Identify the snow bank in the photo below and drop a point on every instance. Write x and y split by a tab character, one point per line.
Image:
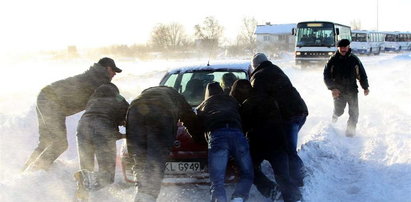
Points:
375	165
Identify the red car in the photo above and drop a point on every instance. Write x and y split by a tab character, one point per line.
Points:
188	160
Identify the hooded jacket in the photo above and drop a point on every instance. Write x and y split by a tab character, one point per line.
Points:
341	72
108	104
73	93
218	109
270	82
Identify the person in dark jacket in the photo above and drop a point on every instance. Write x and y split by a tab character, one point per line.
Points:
220	116
151	131
241	90
194	92
61	99
281	112
227	81
98	132
341	73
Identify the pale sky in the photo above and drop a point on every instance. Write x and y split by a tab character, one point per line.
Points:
56	24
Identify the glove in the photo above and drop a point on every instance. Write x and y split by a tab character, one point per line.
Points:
335	93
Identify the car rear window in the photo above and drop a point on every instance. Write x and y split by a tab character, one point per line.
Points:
192	84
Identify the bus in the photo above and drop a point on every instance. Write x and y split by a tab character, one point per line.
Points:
367	42
316	41
397	41
404	41
391	42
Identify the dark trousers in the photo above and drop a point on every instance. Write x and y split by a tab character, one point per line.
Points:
339	105
279	163
150	135
96	140
296	165
52	134
268	143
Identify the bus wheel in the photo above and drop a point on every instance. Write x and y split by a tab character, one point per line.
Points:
378	52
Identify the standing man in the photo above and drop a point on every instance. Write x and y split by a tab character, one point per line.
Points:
151	131
279	124
340	75
61	99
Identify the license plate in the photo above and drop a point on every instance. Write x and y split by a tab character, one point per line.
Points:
182	167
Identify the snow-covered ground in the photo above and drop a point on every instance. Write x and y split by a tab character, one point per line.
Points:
373	166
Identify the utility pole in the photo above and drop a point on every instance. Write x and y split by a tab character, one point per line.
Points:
377	15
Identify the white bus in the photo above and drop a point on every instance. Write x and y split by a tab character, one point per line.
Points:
391	42
367	42
404	40
316	40
397	41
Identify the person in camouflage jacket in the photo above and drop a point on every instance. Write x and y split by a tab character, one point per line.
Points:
61	99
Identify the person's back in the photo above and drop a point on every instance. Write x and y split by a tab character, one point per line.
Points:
227	82
164	97
108	104
279	113
241	90
98	131
73	93
151	131
194	91
269	80
220	115
219	109
61	99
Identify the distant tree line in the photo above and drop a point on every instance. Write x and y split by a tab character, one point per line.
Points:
172	41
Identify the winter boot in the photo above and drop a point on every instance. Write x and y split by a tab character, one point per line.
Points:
81	191
350	131
334	119
275	194
143	197
91	180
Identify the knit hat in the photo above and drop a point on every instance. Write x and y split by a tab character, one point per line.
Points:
108	62
343	43
258	58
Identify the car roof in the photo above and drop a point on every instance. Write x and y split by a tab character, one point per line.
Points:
219	66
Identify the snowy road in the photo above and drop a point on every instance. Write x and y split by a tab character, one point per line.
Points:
373	166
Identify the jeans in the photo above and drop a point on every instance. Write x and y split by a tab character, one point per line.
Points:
296	165
224	142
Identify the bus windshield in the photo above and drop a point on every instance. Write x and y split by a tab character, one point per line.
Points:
315	34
